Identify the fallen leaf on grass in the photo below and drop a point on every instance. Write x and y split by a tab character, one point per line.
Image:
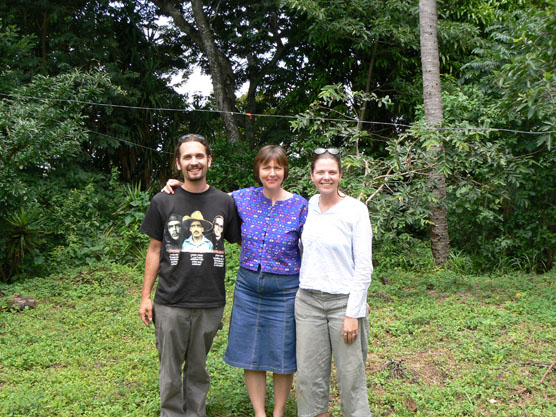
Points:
410	404
520	391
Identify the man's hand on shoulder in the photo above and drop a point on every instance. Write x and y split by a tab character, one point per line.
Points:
170	185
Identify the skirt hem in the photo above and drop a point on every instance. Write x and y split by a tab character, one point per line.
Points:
251	367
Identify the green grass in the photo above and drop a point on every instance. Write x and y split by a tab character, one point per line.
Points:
463	345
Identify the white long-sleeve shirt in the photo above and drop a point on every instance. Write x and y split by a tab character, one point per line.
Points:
337	252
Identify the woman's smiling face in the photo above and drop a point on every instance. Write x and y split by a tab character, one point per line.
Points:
326	175
271	175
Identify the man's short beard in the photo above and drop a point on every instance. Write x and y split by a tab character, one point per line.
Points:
199	178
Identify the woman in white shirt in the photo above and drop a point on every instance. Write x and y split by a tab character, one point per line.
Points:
331	304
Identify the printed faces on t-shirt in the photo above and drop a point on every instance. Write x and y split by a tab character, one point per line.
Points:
194	234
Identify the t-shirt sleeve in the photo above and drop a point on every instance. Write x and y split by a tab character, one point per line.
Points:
153	222
232	232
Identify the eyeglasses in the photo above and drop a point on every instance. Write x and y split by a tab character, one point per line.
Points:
331	151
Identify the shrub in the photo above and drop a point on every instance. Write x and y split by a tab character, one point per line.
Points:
24	235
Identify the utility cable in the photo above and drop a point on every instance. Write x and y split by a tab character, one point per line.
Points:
246	114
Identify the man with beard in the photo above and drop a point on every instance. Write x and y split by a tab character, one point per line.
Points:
190	295
173	231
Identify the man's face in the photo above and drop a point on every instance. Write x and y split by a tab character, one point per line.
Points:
193	161
174	228
218	227
196	229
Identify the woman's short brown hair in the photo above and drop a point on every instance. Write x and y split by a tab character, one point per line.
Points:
270	153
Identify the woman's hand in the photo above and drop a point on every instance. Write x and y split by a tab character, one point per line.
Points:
350	330
170	185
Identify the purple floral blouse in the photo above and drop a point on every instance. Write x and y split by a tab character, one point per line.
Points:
270	234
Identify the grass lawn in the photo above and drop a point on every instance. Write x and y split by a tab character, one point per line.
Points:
440	344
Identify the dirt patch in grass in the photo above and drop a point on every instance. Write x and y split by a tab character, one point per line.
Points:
58	307
430	367
427	368
519	400
374	363
381	296
438	295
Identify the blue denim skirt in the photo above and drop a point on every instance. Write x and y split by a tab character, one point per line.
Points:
262	326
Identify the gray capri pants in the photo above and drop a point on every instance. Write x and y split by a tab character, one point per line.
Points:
319	318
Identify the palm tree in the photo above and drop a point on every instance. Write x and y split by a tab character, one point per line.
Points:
432	94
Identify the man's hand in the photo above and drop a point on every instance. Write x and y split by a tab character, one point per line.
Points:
152	262
146	311
170	185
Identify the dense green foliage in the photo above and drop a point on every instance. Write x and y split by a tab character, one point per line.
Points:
86	137
441	344
513	78
123	42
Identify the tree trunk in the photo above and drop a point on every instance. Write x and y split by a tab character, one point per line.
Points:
223	80
44	31
432	94
249	125
255	75
361	118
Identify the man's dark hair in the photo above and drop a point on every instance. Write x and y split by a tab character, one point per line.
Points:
191	137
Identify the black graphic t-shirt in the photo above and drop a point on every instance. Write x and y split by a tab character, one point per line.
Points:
192	260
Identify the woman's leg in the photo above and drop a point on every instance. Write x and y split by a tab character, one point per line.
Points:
282	388
314	355
350	366
256	388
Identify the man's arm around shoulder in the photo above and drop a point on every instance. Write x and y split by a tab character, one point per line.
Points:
152	263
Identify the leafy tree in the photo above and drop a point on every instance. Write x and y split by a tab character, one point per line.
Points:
38	138
122	40
394	186
193	21
376	43
515	70
14	62
464	27
518	66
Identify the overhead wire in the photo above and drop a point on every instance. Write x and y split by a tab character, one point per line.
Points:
247	114
137	145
